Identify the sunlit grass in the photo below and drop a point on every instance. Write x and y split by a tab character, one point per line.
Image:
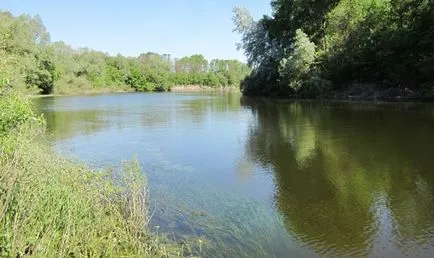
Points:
54	207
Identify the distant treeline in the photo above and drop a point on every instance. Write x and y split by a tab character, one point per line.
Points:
312	47
30	61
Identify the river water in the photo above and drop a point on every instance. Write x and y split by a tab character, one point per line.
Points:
266	178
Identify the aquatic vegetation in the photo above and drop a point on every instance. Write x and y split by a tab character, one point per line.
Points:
54	207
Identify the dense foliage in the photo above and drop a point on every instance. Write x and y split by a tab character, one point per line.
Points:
28	60
311	47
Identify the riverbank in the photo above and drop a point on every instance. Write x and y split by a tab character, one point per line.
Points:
370	92
96	91
377	92
76	92
199	88
54	207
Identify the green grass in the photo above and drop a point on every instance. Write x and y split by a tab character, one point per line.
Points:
81	86
53	207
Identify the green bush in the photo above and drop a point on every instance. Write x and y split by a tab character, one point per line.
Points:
14	112
428	89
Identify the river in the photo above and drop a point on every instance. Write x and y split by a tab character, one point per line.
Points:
266	178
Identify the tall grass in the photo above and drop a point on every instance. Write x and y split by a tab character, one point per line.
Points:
54	207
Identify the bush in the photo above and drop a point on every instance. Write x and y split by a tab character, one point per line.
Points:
71	84
428	89
13	112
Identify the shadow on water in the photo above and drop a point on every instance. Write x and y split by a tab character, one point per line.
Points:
351	179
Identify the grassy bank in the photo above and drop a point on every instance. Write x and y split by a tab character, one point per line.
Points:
91	91
54	207
200	88
95	91
78	93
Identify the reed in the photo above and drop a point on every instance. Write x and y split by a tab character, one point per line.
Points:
54	207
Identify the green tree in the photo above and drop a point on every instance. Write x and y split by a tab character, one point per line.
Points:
29	61
384	42
43	74
299	62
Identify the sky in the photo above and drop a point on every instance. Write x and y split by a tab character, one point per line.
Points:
131	27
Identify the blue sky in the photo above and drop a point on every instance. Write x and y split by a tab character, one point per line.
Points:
131	27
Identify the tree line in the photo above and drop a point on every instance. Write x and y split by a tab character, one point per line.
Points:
30	61
313	47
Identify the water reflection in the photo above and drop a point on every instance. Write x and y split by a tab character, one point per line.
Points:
349	180
65	124
68	117
261	178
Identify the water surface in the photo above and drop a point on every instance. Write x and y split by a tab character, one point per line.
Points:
266	178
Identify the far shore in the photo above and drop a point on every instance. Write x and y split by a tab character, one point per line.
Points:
352	93
180	88
198	88
81	93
